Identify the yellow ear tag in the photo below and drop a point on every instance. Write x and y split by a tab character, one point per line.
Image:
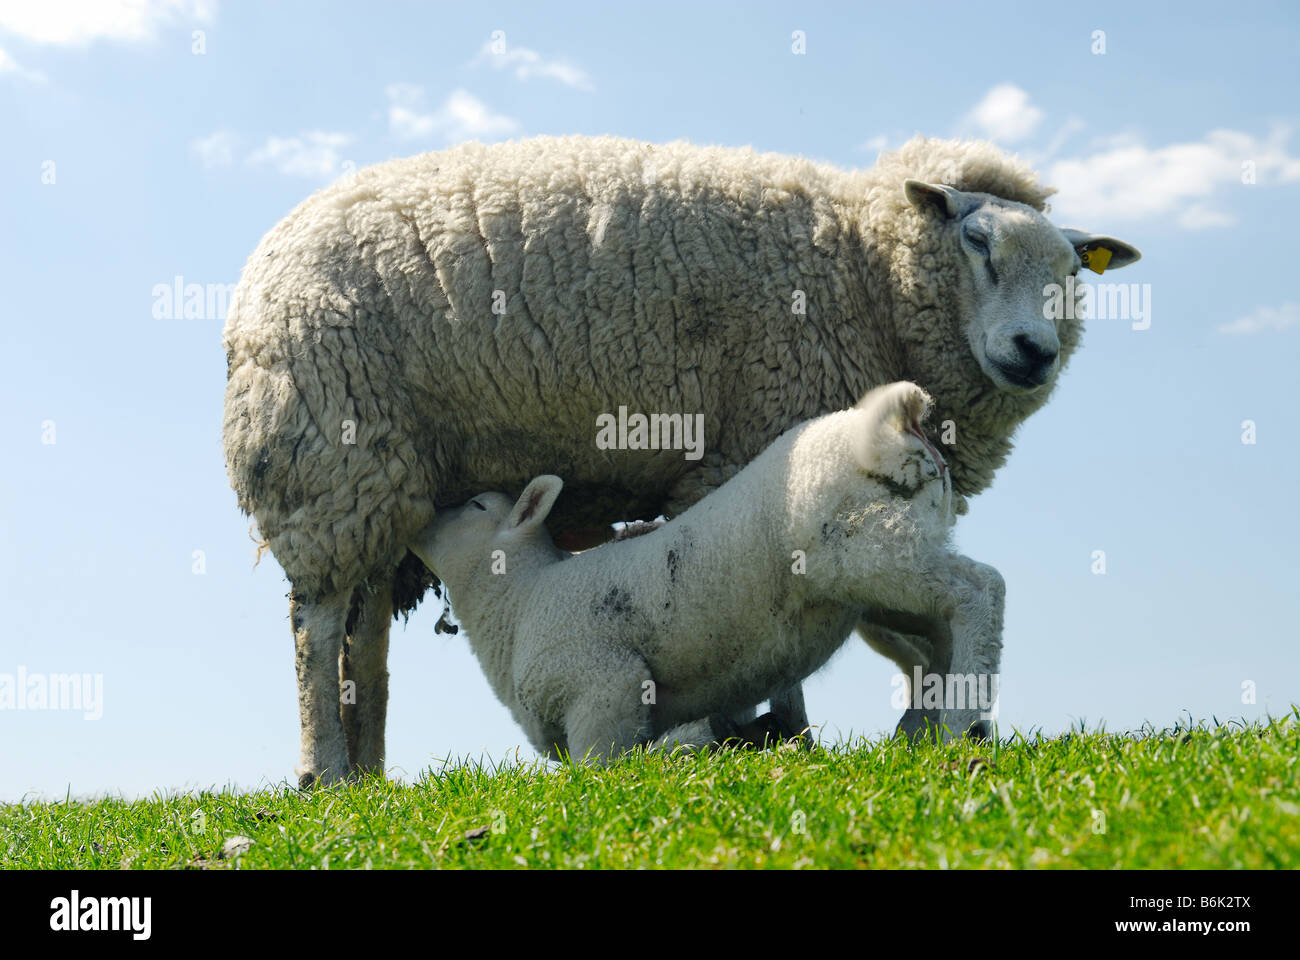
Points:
1096	260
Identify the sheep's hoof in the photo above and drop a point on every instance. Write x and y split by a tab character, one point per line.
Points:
311	780
724	731
767	731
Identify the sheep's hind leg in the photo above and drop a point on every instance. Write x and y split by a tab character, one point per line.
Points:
318	629
363	674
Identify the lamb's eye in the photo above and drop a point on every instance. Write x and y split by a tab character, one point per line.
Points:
477	504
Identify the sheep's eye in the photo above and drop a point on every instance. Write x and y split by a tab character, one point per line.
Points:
977	240
477	504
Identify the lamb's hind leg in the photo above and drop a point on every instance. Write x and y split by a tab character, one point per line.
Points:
318	628
363	672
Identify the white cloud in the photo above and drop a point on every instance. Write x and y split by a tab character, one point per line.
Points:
1200	216
314	154
9	66
216	150
528	64
79	22
1126	180
462	116
1265	318
1005	114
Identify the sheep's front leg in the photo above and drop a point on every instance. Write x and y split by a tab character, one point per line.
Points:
907	650
318	629
790	716
363	672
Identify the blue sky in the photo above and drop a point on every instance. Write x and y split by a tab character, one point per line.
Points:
135	151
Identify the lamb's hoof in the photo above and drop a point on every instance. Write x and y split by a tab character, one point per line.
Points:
307	781
918	726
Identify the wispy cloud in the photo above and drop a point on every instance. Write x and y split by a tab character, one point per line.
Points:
314	155
79	22
874	144
461	116
1005	115
528	64
11	67
216	150
1126	180
1265	319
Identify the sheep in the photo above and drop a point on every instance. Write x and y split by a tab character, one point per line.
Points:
748	591
456	321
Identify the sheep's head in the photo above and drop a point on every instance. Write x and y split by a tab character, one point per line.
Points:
491	528
1014	258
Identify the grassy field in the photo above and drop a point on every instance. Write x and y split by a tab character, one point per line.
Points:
1203	796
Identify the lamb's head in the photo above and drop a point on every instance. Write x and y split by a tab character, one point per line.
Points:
1015	265
466	541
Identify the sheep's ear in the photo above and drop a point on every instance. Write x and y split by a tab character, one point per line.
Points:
1101	253
535	502
945	200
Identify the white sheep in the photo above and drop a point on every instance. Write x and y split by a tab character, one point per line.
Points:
457	321
743	595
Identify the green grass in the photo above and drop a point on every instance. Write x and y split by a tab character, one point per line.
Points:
1199	796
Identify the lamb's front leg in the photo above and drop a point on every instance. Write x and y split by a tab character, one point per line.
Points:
955	605
611	715
962	673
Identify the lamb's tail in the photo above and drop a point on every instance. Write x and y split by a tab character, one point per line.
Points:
896	405
894	416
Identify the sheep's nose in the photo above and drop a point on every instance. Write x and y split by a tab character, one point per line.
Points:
1034	358
1033	354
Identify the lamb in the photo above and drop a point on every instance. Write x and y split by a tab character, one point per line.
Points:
453	322
749	590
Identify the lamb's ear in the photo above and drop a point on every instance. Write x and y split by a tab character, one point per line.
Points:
1101	253
945	200
535	502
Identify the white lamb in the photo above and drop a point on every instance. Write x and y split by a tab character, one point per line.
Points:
736	600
